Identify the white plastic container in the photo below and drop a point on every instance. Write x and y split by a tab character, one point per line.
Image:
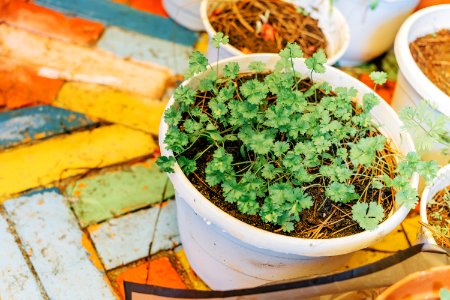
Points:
412	84
185	12
332	23
441	181
228	253
372	32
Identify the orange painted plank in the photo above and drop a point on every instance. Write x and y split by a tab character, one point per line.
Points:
151	6
158	272
21	85
44	21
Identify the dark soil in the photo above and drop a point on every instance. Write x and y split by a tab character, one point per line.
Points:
239	20
438	212
326	219
432	55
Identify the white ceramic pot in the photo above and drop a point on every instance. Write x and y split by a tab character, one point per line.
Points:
441	181
372	32
228	253
185	12
412	84
332	23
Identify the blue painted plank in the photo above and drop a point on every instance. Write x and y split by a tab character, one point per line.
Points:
116	14
143	47
38	122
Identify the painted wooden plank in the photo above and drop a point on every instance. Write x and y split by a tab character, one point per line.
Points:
142	47
16	279
125	239
51	23
49	230
115	14
34	165
150	6
114	193
195	281
56	60
393	242
33	123
21	85
159	272
98	101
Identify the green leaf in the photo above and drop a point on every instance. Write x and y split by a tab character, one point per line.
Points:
197	63
176	140
257	66
172	115
219	169
219	38
363	152
254	91
336	172
407	196
187	165
218	109
231	70
292	50
368	216
316	61
374	4
378	77
370	101
184	95
191	126
166	163
226	93
341	192
242	112
208	83
279	148
260	142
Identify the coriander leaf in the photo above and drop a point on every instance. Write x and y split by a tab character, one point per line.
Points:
191	126
231	70
219	38
316	61
407	196
341	192
166	163
197	63
184	95
257	66
172	116
368	216
219	169
254	91
292	50
187	165
378	78
218	109
363	152
370	101
176	140
279	148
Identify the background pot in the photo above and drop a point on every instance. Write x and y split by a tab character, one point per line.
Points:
420	285
185	12
412	84
372	32
227	253
332	23
441	181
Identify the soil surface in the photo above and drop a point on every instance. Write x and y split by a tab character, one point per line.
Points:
432	55
438	212
265	26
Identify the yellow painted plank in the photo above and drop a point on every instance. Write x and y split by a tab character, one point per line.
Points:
196	282
112	105
57	59
34	165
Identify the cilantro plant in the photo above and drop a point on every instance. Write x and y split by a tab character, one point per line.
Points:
278	146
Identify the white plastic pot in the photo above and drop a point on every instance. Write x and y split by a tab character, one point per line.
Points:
372	32
412	84
441	181
332	23
228	253
185	12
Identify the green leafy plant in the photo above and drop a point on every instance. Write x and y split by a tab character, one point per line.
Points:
281	147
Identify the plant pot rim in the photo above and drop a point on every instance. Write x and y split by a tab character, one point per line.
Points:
331	60
257	236
409	68
427	194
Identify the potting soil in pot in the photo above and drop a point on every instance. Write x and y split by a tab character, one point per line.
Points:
432	55
265	26
438	212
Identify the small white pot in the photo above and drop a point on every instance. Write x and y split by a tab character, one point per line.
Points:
185	12
372	32
412	84
441	181
332	23
228	253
